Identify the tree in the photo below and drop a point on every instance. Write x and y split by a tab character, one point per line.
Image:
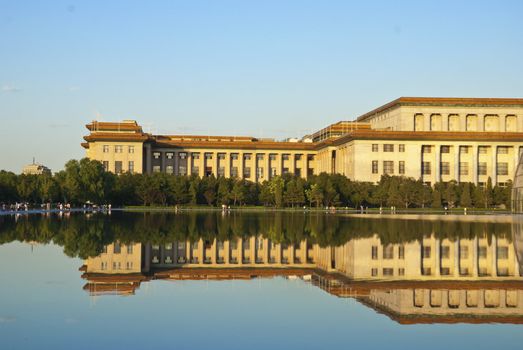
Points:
238	192
465	198
314	195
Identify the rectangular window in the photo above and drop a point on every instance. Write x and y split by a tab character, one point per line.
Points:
156	155
445	271
426	252
483	149
502	150
401	167
374	166
104	265
118	167
445	252
234	171
482	168
464	149
374	252
463	168
131	166
247	156
401	252
169	169
374	147
502	169
259	172
388	252
208	156
234	156
169	155
401	271
129	249
117	248
105	148
426	149
388	271
445	168
129	265
221	171
388	167
297	156
425	168
445	149
401	148
503	253
388	147
285	156
463	252
195	170
247	172
105	164
118	149
482	253
131	149
156	169
374	272
196	156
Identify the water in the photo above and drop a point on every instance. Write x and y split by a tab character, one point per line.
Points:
259	280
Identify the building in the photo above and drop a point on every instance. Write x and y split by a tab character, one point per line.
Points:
35	169
433	139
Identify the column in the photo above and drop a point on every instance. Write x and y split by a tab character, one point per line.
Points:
475	164
267	166
189	163
494	164
162	162
463	122
426	122
475	268
148	159
215	162
456	162
227	164
240	165
437	171
516	160
445	121
519	122
502	123
437	265
201	168
176	163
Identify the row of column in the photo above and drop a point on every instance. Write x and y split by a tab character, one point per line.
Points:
503	125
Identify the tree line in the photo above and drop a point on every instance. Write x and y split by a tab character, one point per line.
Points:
85	181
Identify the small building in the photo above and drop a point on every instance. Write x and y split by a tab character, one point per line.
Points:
35	169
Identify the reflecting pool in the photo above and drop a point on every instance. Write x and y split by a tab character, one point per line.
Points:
195	280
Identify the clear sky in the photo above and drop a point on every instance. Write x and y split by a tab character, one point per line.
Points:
262	68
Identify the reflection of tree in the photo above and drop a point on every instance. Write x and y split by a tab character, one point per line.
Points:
85	236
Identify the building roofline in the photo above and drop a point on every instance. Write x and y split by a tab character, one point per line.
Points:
443	101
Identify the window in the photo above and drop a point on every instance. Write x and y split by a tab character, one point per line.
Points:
104	249
196	156
259	172
234	156
169	169
401	271
426	271
463	252
129	265
388	252
374	252
208	156
401	167
401	148
156	155
117	248
310	157
374	147
483	149
234	171
195	170
247	172
297	156
482	253
502	253
129	249
425	168
388	271
169	155
105	164
156	169
445	149
118	149
445	252
247	156
259	157
426	252
482	168
103	265
374	272
401	252
463	168
284	156
464	149
426	149
221	171
445	168
118	167
388	147
285	171
445	271
388	167
502	169
374	166
131	149
502	184
117	265
105	148
182	155
221	156
502	150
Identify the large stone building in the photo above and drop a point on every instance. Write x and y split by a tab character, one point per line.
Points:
435	139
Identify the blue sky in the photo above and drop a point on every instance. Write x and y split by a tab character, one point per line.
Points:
261	68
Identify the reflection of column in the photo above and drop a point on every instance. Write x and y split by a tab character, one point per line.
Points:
201	251
252	249
456	258
147	262
278	253
292	252
188	252
175	252
227	252
475	268
266	257
437	246
303	251
239	250
494	256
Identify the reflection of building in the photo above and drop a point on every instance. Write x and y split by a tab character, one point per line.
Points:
435	139
469	280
